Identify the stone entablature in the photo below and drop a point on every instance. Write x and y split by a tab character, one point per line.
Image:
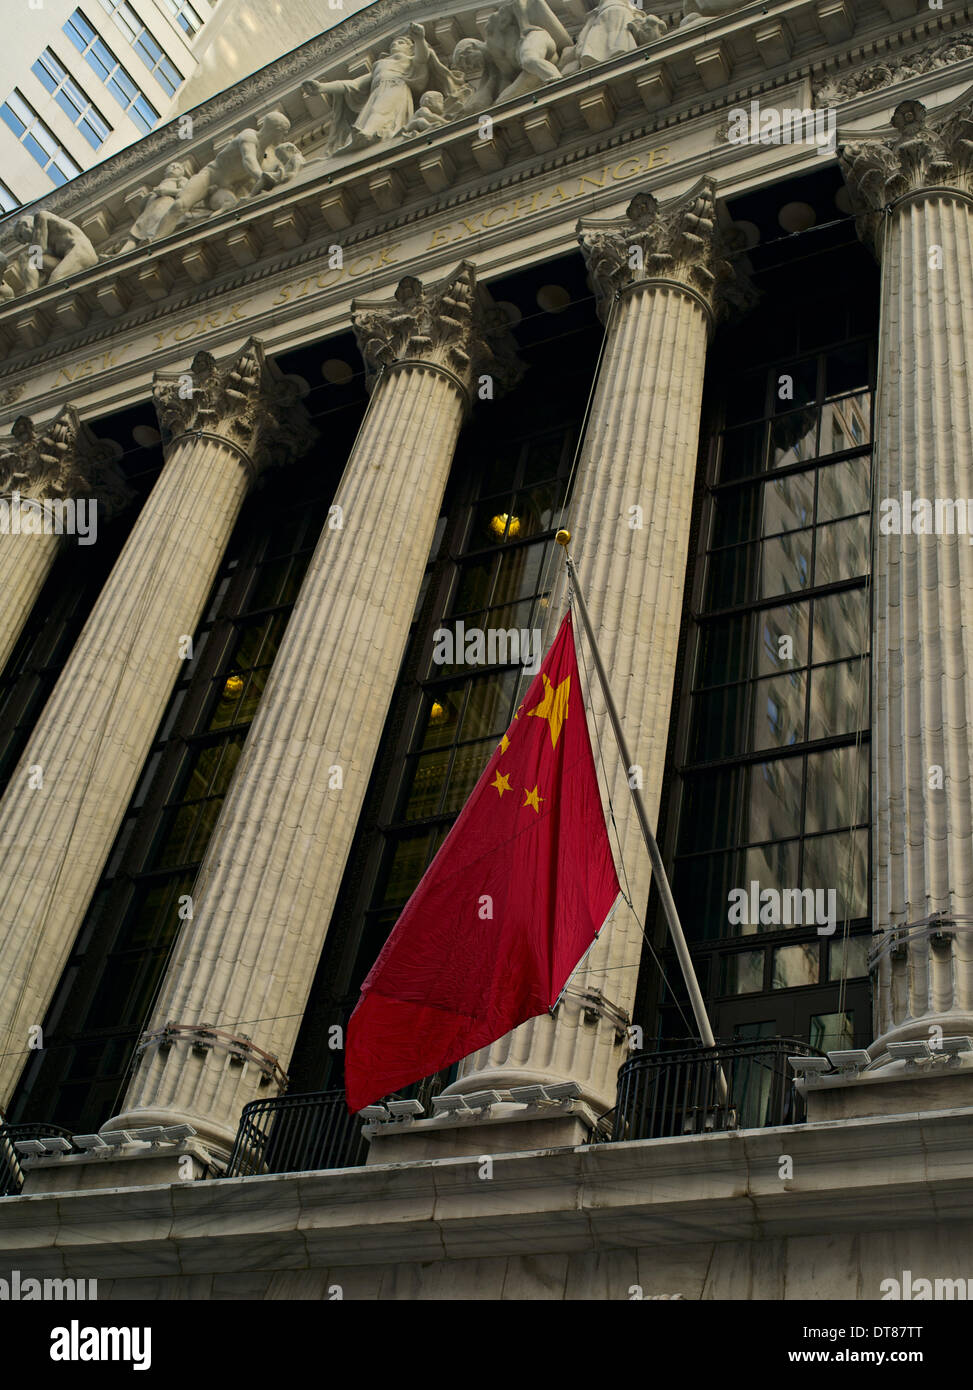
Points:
606	107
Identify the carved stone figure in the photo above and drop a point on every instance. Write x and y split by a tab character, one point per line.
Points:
481	80
64	249
523	39
699	11
236	171
155	203
613	28
281	164
6	291
430	114
384	99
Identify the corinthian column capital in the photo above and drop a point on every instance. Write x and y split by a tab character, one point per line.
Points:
452	325
247	403
679	242
63	459
914	154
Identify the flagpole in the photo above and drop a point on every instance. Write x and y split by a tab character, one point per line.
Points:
563	538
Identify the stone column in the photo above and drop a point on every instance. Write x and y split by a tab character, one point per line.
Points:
231	1002
662	279
67	797
912	186
44	476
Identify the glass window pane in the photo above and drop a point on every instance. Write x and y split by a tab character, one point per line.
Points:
742	972
409	859
440	718
701	888
840	625
793	437
488	709
12	119
723	652
770	866
473	591
846	369
782	638
746	398
777	718
801	389
465	773
718	723
743	452
839	862
837	789
427	785
839	699
520	572
731	576
841	550
843	488
832	1032
846	424
848	957
793	966
785	564
774	803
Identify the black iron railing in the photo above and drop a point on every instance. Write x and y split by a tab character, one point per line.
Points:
297	1134
661	1094
11	1173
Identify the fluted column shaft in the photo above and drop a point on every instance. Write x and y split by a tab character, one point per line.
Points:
265	893
25	563
922	656
68	795
639	452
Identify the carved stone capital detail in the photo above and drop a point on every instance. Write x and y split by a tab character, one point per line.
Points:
453	324
248	402
915	152
63	460
679	241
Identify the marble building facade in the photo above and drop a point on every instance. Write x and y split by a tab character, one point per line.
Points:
436	258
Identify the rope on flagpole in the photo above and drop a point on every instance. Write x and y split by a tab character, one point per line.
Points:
627	893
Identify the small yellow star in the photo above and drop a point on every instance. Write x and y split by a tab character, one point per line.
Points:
532	799
504	744
502	783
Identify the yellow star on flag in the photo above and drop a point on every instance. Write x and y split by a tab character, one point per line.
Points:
532	799
554	706
502	783
504	744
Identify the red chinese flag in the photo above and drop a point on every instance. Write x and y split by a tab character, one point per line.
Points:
517	893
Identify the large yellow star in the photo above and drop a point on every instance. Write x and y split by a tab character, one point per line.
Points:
532	799
502	783
554	706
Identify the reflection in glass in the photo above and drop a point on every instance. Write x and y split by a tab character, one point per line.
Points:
793	437
774	626
848	958
785	564
845	424
839	862
843	489
832	1032
777	718
840	625
742	972
837	789
841	551
793	966
839	698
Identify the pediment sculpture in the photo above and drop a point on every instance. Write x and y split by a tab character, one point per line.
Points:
699	11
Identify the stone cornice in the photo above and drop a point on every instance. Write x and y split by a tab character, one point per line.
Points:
63	460
394	187
876	1174
247	402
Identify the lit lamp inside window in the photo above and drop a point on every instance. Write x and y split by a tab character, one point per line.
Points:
437	715
499	525
233	688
